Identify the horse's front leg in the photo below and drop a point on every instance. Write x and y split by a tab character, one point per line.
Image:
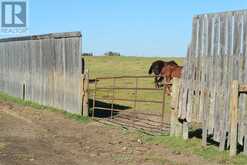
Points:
161	78
156	82
167	85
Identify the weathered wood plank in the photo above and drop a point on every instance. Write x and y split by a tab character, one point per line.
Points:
234	117
205	118
174	105
41	37
43	65
85	93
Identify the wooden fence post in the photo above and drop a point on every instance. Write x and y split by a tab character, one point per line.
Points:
245	145
234	117
185	130
173	123
174	130
85	96
205	116
179	129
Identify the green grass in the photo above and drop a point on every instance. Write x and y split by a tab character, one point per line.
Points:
77	118
121	66
192	146
7	98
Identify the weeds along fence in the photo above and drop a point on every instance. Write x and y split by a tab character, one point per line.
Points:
45	69
217	56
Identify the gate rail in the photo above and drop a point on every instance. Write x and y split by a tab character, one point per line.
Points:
134	114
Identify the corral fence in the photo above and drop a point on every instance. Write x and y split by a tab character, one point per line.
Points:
127	101
217	56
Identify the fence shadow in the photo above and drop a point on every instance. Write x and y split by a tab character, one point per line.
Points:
197	133
105	113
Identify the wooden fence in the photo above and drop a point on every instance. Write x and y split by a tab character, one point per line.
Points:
216	56
85	91
45	69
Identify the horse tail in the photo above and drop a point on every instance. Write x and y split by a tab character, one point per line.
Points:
150	70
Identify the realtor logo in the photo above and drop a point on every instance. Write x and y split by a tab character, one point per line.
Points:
14	16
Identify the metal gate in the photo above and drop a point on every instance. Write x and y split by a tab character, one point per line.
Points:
131	101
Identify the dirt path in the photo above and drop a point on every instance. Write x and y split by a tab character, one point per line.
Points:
33	137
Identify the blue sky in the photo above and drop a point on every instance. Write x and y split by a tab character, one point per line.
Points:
131	27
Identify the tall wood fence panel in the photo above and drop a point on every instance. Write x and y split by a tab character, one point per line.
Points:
45	69
216	56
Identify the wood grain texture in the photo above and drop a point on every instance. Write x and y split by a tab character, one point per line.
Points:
85	86
176	127
217	57
48	65
234	117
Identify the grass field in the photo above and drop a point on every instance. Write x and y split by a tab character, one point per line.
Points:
121	66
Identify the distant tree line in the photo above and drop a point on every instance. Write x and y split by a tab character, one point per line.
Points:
112	54
87	54
105	54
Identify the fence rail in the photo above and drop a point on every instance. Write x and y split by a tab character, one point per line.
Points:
131	117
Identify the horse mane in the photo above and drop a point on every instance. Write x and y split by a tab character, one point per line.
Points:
150	70
157	64
171	63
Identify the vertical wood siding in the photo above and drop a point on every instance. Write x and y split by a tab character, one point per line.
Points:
216	56
45	69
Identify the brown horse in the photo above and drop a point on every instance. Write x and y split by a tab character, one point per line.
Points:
157	67
169	73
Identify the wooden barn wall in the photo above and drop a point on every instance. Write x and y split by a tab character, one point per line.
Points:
216	56
44	69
